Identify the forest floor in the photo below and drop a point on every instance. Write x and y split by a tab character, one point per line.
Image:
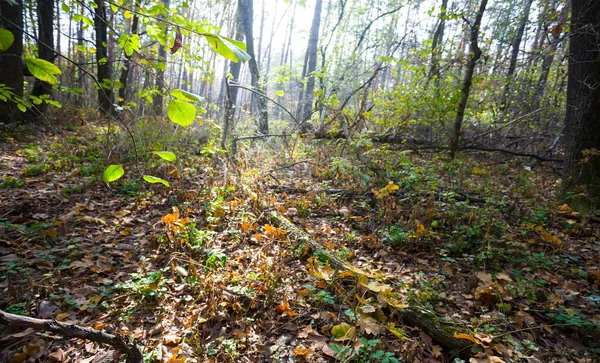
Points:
207	271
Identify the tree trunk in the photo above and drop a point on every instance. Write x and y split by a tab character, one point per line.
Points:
438	39
475	53
105	93
581	180
45	43
514	56
158	100
306	102
246	16
11	67
556	32
124	93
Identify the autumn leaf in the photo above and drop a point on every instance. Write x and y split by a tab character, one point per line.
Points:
177	44
343	331
369	325
322	272
301	350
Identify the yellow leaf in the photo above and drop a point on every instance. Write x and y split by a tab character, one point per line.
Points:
392	299
256	237
302	350
322	272
466	336
372	285
62	317
269	230
343	332
127	14
397	332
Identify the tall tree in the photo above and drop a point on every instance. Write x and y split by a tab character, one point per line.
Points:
246	16
105	93
549	53
306	98
124	93
438	40
582	120
45	44
11	68
158	100
516	47
474	55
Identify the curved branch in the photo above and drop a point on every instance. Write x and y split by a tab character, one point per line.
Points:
134	355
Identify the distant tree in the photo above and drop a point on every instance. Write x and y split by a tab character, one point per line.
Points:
124	93
305	103
105	93
246	16
581	181
474	55
158	100
11	67
45	45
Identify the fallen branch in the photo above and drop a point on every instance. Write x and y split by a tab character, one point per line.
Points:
516	153
440	330
131	350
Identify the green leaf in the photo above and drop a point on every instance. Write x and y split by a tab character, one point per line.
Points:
65	8
185	95
231	49
165	155
154	180
42	70
6	39
129	43
112	173
182	113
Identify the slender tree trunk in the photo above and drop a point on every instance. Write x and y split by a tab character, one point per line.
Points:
105	93
581	181
548	59
306	103
11	67
516	47
124	91
235	67
45	44
158	100
246	15
475	54
438	40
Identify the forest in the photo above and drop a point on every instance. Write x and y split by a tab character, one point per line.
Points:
300	181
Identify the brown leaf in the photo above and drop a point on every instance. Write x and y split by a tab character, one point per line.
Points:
369	325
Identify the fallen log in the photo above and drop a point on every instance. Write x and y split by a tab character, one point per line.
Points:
441	330
131	350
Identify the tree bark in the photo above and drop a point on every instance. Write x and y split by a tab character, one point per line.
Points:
11	68
124	93
45	43
134	355
158	99
306	102
475	54
246	15
105	93
581	181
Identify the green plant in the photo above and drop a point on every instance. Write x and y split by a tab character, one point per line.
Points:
152	285
35	170
215	259
395	236
569	319
11	183
363	352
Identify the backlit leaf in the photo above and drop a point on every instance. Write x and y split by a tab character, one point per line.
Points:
6	39
154	180
165	155
42	70
185	95
182	113
112	173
